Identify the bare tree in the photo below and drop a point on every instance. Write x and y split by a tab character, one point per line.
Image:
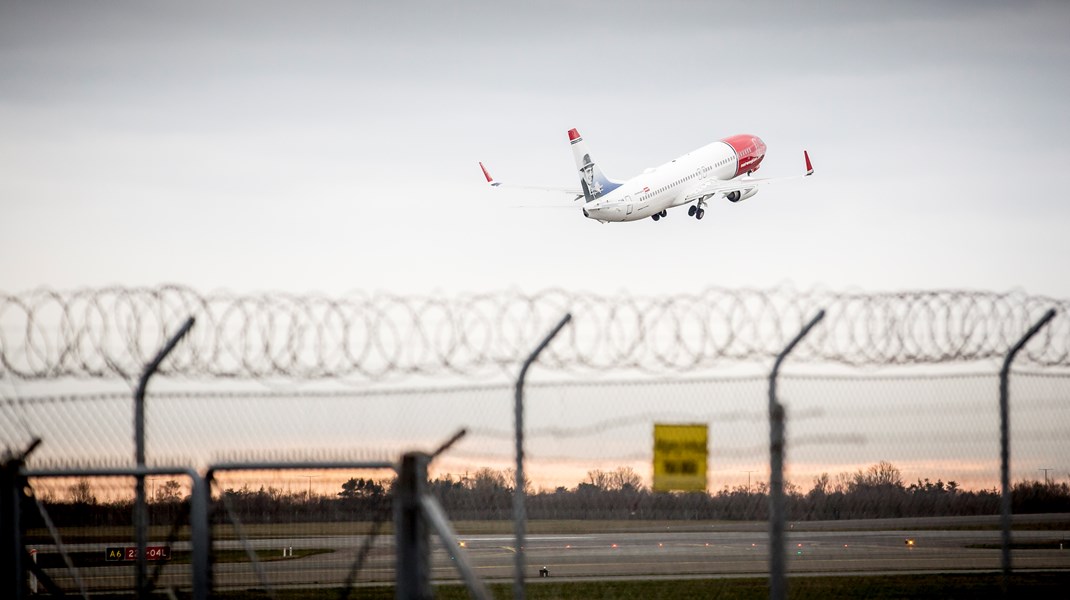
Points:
487	479
170	491
625	479
598	478
843	483
510	479
882	474
821	486
82	493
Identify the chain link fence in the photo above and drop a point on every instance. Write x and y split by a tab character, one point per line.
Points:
929	426
892	414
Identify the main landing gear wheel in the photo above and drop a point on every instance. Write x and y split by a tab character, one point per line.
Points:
696	210
656	216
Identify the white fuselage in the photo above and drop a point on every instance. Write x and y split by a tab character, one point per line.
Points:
665	186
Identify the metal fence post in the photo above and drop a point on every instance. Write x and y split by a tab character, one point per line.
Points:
777	580
200	539
519	514
413	570
13	576
1005	450
140	514
12	553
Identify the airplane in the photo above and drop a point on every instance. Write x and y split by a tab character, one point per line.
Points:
722	168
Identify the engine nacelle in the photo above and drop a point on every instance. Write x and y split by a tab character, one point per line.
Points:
738	195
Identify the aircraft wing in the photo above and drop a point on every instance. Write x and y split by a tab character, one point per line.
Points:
711	187
575	191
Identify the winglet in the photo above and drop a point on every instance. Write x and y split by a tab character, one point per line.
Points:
806	156
486	174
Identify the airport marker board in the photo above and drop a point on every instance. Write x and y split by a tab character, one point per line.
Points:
680	453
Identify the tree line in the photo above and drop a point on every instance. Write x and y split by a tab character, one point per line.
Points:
876	492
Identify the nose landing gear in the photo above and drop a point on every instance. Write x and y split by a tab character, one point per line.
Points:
659	215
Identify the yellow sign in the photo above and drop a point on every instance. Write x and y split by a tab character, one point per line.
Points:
680	454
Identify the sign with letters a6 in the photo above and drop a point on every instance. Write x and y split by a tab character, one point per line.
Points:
113	553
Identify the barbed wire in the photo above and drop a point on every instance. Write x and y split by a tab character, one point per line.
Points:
112	332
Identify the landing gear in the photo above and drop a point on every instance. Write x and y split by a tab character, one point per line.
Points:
664	214
697	209
656	216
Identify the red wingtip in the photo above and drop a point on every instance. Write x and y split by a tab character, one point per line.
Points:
809	167
485	173
573	135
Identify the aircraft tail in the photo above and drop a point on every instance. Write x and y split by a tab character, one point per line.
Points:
592	180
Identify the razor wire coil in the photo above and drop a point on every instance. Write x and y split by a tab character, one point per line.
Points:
112	332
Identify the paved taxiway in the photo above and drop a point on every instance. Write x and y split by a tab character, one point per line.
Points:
663	553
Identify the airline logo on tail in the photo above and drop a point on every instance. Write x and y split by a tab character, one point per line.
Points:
593	182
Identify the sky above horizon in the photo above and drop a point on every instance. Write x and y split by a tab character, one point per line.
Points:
332	146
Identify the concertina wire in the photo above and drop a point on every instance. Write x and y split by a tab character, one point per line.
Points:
112	332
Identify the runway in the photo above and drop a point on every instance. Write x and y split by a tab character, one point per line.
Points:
813	548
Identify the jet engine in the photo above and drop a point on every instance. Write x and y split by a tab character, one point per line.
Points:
738	195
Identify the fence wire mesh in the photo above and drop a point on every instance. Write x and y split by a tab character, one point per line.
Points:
936	427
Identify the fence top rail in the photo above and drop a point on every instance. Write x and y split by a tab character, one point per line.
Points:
109	472
298	465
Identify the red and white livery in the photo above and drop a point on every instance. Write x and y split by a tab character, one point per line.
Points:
724	168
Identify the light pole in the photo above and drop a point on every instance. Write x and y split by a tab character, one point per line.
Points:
748	480
1046	474
310	478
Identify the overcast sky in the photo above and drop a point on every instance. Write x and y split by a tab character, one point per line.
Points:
333	146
